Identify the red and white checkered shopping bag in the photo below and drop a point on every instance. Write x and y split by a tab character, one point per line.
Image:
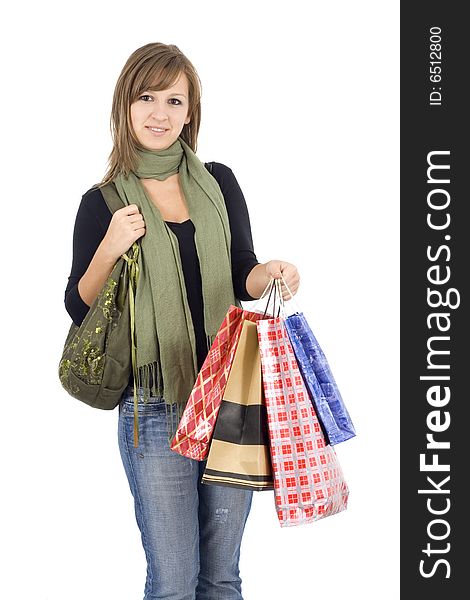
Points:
308	480
196	426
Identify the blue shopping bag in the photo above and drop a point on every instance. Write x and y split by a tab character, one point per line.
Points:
319	380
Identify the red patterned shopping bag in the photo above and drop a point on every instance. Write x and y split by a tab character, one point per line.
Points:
197	422
308	480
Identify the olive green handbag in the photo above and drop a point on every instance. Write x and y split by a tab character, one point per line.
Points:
99	354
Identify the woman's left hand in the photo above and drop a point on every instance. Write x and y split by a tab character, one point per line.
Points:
274	268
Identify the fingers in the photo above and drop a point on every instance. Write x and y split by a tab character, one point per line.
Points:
137	220
131	209
139	232
293	282
286	295
131	215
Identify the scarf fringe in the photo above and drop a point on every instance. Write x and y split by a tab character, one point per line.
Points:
145	374
152	372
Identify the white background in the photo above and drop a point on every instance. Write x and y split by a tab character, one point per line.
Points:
300	100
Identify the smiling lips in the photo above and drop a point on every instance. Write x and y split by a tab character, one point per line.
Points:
158	130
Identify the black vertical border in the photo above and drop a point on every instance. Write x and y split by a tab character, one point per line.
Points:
424	129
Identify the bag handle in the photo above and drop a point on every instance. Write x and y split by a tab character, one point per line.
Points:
272	287
111	197
275	285
291	299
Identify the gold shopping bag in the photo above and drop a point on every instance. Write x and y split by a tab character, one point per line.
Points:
239	454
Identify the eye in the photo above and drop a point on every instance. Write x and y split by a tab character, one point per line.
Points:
178	102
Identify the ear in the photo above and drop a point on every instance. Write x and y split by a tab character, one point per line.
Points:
187	120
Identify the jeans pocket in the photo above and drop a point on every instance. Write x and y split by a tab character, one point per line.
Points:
152	425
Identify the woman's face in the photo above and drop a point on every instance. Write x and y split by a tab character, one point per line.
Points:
165	109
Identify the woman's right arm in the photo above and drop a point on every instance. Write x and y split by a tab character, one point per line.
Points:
99	239
94	278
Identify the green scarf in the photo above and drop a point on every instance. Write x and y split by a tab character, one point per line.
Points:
165	351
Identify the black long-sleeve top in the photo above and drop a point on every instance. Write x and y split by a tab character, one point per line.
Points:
92	222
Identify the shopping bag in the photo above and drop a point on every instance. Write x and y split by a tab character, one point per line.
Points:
197	422
319	380
308	480
239	453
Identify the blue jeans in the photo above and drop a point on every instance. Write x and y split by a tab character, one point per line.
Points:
191	531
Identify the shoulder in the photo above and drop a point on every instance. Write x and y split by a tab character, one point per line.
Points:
94	201
94	205
231	191
225	178
221	172
92	196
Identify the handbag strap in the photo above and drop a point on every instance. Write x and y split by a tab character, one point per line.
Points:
111	197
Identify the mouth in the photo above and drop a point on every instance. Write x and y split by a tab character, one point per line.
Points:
157	130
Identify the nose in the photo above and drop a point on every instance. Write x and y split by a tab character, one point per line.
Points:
159	113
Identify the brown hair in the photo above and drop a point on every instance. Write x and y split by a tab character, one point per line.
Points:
155	66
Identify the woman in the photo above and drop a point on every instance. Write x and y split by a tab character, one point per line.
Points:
197	258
